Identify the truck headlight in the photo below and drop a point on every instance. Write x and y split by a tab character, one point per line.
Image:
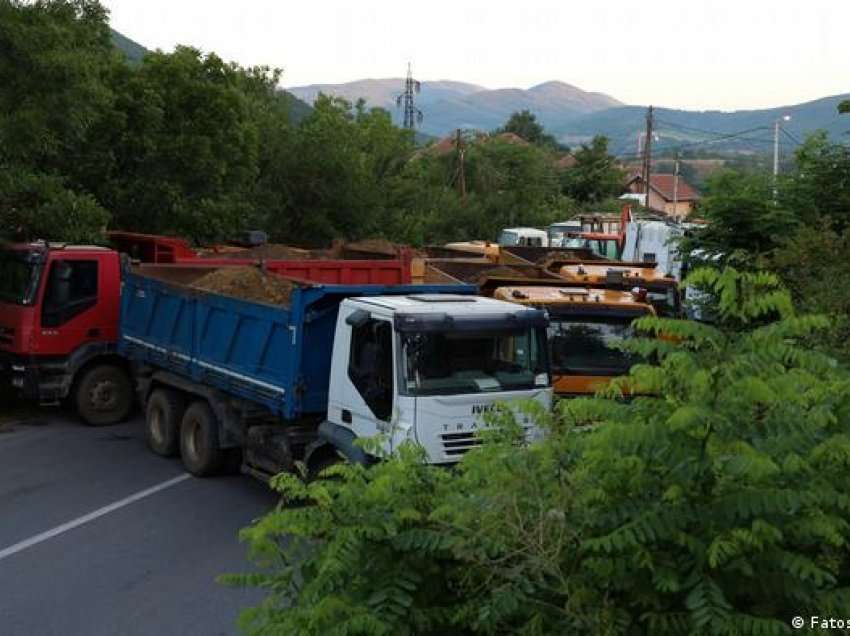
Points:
18	368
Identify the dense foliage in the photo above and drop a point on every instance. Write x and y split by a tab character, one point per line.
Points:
524	124
795	226
596	175
185	143
717	506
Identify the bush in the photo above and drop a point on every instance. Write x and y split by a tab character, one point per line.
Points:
38	206
718	506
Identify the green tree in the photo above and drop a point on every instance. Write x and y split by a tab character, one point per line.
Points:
340	164
525	125
743	217
813	265
595	176
820	185
844	107
186	157
54	93
714	504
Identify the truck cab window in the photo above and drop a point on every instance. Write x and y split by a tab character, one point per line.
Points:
370	365
71	289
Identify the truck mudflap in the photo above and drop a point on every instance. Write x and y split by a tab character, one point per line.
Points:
342	439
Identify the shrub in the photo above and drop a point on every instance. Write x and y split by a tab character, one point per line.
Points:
717	505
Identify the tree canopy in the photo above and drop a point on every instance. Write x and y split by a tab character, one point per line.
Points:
524	124
716	503
185	143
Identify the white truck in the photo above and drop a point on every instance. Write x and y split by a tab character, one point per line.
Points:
272	384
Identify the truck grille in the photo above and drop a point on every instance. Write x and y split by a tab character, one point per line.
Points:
456	444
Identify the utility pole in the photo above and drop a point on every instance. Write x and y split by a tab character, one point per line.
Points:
776	127
647	154
412	115
776	149
676	186
461	174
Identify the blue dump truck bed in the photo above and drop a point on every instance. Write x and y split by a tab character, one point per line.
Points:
275	355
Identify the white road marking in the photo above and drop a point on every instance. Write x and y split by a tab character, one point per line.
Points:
100	512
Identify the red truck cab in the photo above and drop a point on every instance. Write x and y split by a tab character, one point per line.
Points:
59	310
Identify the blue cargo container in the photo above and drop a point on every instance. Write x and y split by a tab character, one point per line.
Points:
273	356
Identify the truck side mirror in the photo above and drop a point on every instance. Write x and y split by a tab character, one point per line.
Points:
358	318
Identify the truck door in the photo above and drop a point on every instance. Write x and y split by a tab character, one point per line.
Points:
69	307
370	370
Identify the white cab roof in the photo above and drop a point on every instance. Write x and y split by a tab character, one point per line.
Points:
438	303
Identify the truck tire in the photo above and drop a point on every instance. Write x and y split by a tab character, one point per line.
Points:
199	447
104	395
320	463
163	415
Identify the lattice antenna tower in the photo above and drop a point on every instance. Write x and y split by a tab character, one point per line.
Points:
412	115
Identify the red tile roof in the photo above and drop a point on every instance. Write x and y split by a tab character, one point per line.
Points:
567	161
663	185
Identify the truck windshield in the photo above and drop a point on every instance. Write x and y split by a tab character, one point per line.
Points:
508	238
18	277
582	345
452	363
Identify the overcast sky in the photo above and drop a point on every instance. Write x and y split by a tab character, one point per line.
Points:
698	54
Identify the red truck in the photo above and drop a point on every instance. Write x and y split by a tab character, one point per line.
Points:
59	310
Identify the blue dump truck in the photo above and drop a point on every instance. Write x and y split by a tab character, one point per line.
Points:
231	382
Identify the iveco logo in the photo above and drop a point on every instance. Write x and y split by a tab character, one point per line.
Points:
479	409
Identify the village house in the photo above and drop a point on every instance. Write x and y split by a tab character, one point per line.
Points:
668	193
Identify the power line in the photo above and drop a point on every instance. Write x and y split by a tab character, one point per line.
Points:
689	128
727	137
647	155
792	137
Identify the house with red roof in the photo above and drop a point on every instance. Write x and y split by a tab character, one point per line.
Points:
668	193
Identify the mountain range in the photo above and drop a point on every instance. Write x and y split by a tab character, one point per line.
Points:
574	116
448	104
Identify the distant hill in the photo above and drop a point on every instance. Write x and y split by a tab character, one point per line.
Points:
684	129
574	116
449	104
383	92
135	52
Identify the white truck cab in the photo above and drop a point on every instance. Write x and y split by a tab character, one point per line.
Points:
427	368
524	236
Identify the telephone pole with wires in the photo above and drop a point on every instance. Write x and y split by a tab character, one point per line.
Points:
460	151
412	115
647	154
676	185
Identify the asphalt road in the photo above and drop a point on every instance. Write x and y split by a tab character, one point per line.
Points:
98	536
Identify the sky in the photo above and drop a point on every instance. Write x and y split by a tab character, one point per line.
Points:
694	54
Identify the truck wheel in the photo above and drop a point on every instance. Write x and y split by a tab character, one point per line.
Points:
199	440
104	395
322	460
162	422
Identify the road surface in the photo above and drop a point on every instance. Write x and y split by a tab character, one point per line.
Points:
98	536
